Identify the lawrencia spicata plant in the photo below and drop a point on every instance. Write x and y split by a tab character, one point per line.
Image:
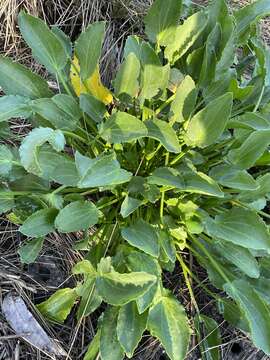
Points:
172	158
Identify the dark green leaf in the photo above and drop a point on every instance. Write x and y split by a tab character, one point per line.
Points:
76	216
166	177
30	250
45	45
93	107
143	236
130	327
6	160
256	311
129	205
110	348
40	223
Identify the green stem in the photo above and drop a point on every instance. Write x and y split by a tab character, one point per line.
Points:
75	136
63	82
108	204
165	104
260	212
163	192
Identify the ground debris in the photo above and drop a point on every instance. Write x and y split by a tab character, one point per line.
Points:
26	326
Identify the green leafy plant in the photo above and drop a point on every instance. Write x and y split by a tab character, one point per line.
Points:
174	156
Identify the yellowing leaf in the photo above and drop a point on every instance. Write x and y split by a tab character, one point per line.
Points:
93	85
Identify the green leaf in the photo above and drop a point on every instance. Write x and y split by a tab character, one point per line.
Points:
122	127
61	111
57	167
30	251
256	311
247	15
250	121
126	81
252	149
104	170
184	101
167	245
228	176
167	321
209	337
130	327
185	36
6	200
59	305
93	348
90	300
40	223
129	205
119	289
163	132
110	348
241	227
6	160
88	48
45	45
137	262
161	21
200	183
142	236
84	267
166	177
31	143
93	107
16	79
203	129
76	216
13	106
240	257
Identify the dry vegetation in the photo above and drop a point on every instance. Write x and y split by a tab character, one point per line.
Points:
50	272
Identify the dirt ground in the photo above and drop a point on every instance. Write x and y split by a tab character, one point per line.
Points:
37	281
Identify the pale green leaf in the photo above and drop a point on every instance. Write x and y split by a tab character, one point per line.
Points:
119	289
6	160
122	127
93	348
228	176
29	251
167	321
130	327
142	236
241	227
58	306
31	143
184	101
203	128
16	79
161	21
76	216
102	171
252	148
14	106
185	36
200	183
40	223
163	132
88	48
137	261
250	121
126	81
129	205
